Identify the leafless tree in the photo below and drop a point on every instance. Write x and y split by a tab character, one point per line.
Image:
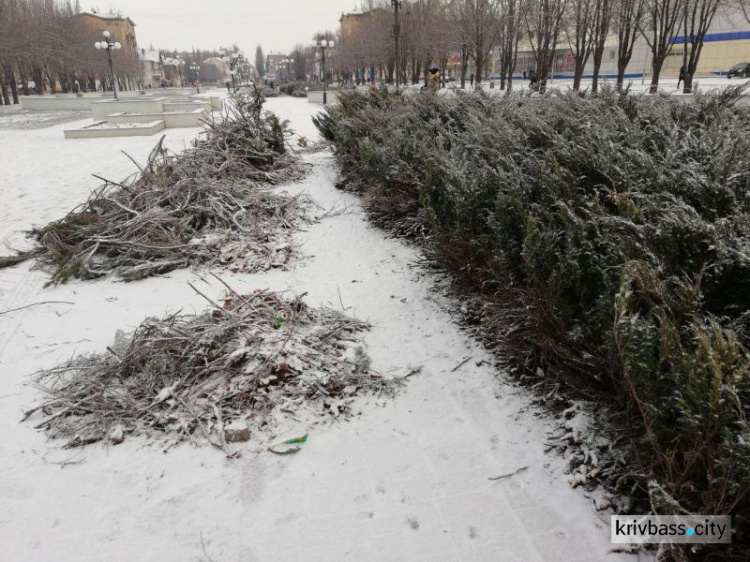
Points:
580	34
509	36
697	18
303	57
543	21
442	37
628	18
478	23
602	28
260	62
42	42
660	22
368	50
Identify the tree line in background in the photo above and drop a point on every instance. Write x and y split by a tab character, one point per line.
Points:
473	32
45	48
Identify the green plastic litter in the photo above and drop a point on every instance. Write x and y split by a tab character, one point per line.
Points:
280	448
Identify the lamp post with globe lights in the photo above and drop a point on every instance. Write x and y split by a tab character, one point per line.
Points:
288	63
195	67
109	46
323	44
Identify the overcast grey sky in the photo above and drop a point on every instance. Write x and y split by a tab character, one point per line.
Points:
278	25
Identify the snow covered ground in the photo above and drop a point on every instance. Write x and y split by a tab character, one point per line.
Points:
16	117
408	479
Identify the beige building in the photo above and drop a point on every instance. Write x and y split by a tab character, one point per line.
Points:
275	66
152	69
122	28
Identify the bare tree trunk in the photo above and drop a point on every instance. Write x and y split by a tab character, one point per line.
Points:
543	25
39	79
700	14
684	69
662	21
655	75
621	66
13	87
10	78
629	18
598	56
464	65
578	75
4	86
688	83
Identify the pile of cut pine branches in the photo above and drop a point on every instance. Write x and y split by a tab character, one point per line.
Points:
212	203
243	360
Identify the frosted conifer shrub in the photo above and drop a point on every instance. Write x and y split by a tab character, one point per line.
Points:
627	217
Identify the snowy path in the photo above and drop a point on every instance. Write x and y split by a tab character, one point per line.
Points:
405	481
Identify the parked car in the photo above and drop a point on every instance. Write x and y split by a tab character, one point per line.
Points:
741	70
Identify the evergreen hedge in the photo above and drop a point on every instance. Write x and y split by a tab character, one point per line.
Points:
630	216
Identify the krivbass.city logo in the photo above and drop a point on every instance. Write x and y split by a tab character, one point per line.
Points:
687	529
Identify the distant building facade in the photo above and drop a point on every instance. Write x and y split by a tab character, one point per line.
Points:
726	44
274	66
122	28
152	69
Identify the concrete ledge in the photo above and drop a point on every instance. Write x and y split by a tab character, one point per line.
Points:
170	106
109	95
100	130
216	103
100	109
50	103
171	120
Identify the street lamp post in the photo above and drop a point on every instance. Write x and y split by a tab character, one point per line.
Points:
323	44
107	45
288	63
195	67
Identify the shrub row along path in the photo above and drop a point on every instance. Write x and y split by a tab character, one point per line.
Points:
409	479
